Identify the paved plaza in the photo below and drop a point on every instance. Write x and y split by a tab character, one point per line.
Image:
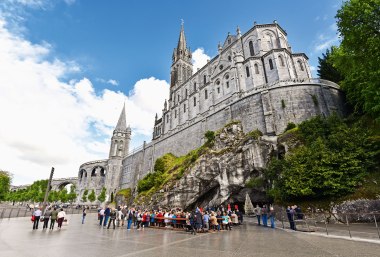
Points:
18	239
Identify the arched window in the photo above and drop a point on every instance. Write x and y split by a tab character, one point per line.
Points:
175	113
206	95
256	68
115	148
251	50
247	71
204	79
186	93
282	63
184	108
195	86
178	97
195	101
301	65
93	172
270	64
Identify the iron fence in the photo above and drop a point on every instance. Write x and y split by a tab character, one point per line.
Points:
362	225
7	213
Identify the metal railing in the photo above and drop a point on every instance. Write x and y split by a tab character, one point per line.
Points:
362	225
7	213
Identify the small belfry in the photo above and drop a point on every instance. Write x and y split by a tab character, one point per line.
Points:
120	138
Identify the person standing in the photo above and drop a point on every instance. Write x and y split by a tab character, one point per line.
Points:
112	218
198	221
61	217
129	219
124	215
206	221
83	215
101	216
257	211
107	213
46	218
272	216
53	218
37	215
264	214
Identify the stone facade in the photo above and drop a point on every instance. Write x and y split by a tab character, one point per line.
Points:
255	78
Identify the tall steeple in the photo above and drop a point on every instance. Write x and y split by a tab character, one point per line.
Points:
181	41
121	137
122	123
182	67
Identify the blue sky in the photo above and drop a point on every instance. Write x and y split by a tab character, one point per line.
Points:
69	65
130	40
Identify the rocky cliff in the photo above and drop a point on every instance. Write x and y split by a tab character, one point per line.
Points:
220	173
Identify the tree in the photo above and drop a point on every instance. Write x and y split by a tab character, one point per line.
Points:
53	196
84	196
102	195
358	57
63	196
72	195
5	183
248	206
331	162
326	70
91	196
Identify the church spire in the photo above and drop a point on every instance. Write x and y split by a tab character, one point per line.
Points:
182	40
122	123
182	52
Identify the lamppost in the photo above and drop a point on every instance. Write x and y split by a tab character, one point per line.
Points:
47	190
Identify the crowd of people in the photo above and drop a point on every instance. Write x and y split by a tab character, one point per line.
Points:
263	213
50	214
199	220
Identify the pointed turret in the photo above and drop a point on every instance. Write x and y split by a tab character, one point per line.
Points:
121	137
122	123
182	51
182	66
181	41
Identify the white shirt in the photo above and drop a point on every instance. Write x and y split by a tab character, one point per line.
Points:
61	214
102	212
37	213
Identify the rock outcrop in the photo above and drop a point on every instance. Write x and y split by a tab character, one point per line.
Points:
220	174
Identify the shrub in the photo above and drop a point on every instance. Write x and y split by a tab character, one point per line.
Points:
210	136
290	126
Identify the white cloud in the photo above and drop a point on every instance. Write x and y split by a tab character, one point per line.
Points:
47	122
109	81
325	42
333	27
69	2
199	59
113	82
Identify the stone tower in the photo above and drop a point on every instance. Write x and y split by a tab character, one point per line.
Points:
118	150
182	67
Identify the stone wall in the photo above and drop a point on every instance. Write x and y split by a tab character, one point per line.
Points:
268	109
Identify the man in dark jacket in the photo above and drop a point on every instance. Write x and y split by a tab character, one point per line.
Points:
112	218
107	213
53	218
198	221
